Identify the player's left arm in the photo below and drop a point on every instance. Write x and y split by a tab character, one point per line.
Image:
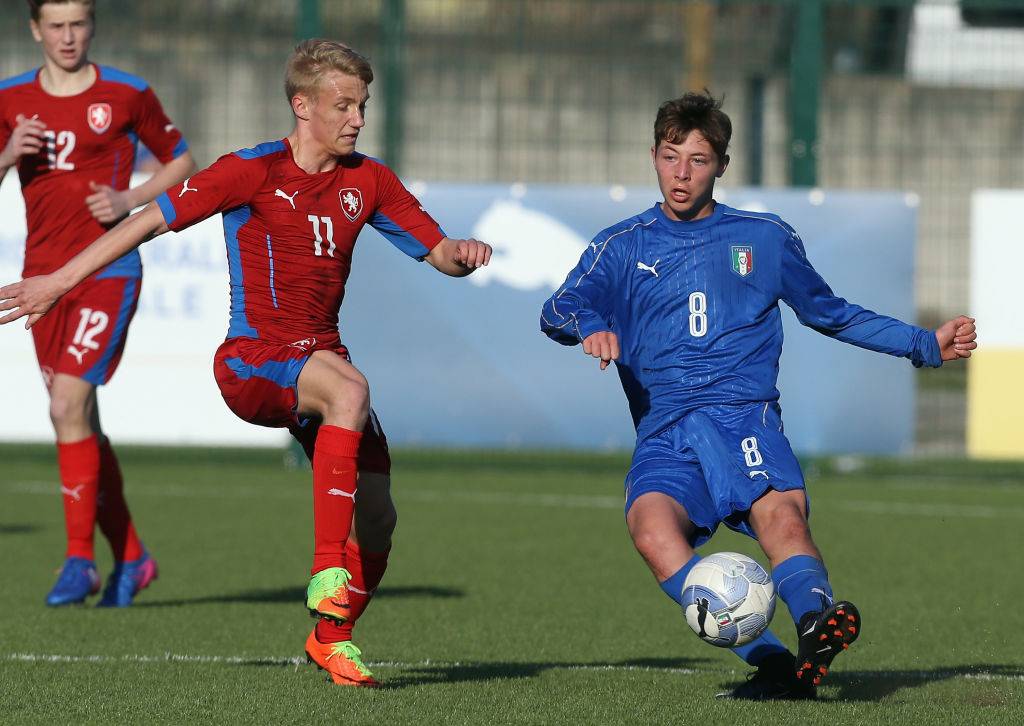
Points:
821	309
957	338
107	204
401	219
167	143
459	257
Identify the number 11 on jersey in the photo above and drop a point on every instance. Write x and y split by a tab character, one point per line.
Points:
318	240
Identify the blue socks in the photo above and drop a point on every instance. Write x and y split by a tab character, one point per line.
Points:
754	651
802	583
673	586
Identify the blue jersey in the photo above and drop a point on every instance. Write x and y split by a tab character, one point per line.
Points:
695	306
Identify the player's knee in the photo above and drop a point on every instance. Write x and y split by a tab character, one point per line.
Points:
650	541
350	396
65	411
788	528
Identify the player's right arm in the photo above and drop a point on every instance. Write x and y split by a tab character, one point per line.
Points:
34	296
26	138
228	183
580	310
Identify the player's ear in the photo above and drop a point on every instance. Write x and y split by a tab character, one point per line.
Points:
722	167
301	106
34	27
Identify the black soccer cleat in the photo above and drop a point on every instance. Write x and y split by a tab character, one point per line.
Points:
823	636
774	680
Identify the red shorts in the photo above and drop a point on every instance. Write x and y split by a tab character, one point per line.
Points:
83	335
259	383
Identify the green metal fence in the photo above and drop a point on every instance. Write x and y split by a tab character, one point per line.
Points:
923	97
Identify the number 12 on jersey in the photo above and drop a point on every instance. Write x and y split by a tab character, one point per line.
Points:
318	240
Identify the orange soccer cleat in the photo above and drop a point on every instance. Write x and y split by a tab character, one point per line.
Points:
342	661
327	595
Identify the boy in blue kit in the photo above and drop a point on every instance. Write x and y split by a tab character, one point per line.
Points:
684	299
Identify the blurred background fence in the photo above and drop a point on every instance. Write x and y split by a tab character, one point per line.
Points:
922	97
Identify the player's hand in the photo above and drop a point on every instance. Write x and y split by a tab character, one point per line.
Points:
472	253
31	297
106	204
26	139
957	338
603	345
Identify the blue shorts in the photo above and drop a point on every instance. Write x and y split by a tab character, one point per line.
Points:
716	462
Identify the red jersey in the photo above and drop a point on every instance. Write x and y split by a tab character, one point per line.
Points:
290	235
90	137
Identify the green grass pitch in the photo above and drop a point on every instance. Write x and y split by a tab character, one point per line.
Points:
513	596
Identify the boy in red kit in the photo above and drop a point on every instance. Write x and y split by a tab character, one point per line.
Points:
71	128
292	210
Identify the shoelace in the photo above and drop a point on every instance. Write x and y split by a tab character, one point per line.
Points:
349	650
332	581
69	574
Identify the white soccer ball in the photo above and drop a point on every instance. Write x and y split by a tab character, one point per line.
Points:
728	599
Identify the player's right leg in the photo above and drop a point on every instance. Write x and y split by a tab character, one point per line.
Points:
664	485
330	644
78	459
366	554
332	390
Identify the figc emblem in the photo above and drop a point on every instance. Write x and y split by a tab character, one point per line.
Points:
742	259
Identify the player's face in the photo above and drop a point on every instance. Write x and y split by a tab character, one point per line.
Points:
686	175
339	112
64	31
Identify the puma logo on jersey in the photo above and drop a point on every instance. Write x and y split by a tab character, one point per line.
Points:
186	188
291	199
593	245
340	493
754	473
74	492
77	353
305	342
648	268
168	128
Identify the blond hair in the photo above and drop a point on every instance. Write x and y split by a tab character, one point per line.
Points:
313	58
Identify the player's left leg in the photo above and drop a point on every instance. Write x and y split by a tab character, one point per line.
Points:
825	627
134	569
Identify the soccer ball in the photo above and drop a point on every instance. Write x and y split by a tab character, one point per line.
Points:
728	599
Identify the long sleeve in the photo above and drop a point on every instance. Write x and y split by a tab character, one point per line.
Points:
582	305
819	308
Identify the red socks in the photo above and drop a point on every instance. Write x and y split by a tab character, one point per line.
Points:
367	570
93	491
79	465
334	494
112	511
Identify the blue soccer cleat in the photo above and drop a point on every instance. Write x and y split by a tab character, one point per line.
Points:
127	579
78	580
